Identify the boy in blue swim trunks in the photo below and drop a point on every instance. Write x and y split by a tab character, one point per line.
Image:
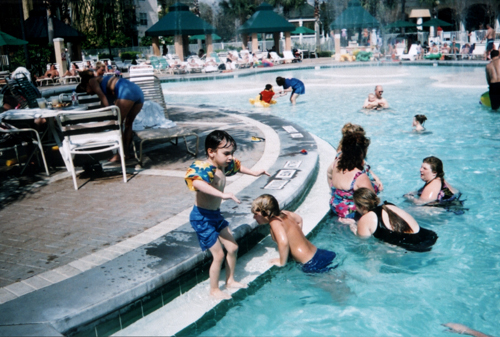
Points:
293	85
286	231
208	179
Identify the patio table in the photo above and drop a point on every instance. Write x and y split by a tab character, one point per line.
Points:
51	133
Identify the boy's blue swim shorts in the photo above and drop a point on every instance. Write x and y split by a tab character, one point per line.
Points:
320	262
207	224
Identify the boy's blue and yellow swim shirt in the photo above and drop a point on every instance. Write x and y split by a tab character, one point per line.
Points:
202	170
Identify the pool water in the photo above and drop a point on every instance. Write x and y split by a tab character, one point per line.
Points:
378	289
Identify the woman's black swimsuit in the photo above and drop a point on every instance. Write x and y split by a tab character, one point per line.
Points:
418	242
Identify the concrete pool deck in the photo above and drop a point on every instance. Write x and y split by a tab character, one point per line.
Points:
82	255
77	256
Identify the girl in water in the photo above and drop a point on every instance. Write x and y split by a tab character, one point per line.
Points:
389	223
418	122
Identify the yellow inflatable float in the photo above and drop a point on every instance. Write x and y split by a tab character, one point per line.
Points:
485	99
257	102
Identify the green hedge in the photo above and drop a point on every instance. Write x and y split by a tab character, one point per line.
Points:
129	55
325	54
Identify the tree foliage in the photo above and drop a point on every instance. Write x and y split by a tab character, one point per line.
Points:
287	5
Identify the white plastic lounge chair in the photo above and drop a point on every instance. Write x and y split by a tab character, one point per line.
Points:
151	87
193	65
276	58
412	54
288	56
89	132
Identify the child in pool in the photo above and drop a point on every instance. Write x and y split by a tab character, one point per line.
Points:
267	94
208	179
286	231
371	102
418	122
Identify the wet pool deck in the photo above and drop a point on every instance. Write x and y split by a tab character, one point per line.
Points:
70	257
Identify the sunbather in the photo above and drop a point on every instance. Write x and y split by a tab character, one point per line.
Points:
51	73
73	71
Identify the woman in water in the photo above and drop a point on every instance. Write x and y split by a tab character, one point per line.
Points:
291	85
418	122
127	96
436	188
351	128
389	223
347	173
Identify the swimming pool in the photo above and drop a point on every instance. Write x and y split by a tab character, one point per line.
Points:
379	289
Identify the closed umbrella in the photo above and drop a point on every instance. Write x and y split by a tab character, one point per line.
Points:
9	40
436	23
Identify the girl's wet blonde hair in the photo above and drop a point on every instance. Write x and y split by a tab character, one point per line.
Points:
266	205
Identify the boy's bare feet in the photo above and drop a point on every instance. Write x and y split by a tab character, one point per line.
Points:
236	285
219	294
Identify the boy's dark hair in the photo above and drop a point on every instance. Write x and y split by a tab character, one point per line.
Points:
215	138
494	53
280	81
269	87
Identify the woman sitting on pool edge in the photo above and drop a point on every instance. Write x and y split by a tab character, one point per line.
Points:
127	96
389	223
436	189
293	85
418	122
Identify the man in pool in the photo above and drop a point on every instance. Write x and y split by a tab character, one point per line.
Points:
286	231
371	102
380	102
293	85
493	79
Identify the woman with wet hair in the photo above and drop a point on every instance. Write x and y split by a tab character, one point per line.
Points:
418	122
436	189
347	173
389	223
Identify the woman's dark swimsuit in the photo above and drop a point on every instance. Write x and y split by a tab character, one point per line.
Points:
417	242
446	199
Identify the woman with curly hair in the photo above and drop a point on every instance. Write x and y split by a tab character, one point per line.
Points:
347	173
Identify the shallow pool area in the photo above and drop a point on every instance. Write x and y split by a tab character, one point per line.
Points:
378	289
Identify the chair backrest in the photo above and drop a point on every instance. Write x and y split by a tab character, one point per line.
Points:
151	88
87	122
141	70
24	92
287	54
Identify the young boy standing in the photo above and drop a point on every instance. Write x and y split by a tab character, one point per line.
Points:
208	179
286	231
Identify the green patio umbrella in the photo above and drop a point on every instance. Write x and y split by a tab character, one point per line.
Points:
354	17
401	24
8	40
215	37
436	22
303	30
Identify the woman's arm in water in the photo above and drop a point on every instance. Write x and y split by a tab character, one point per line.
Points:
462	329
377	181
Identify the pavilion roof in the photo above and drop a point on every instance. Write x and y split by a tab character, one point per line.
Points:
265	20
354	16
180	21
